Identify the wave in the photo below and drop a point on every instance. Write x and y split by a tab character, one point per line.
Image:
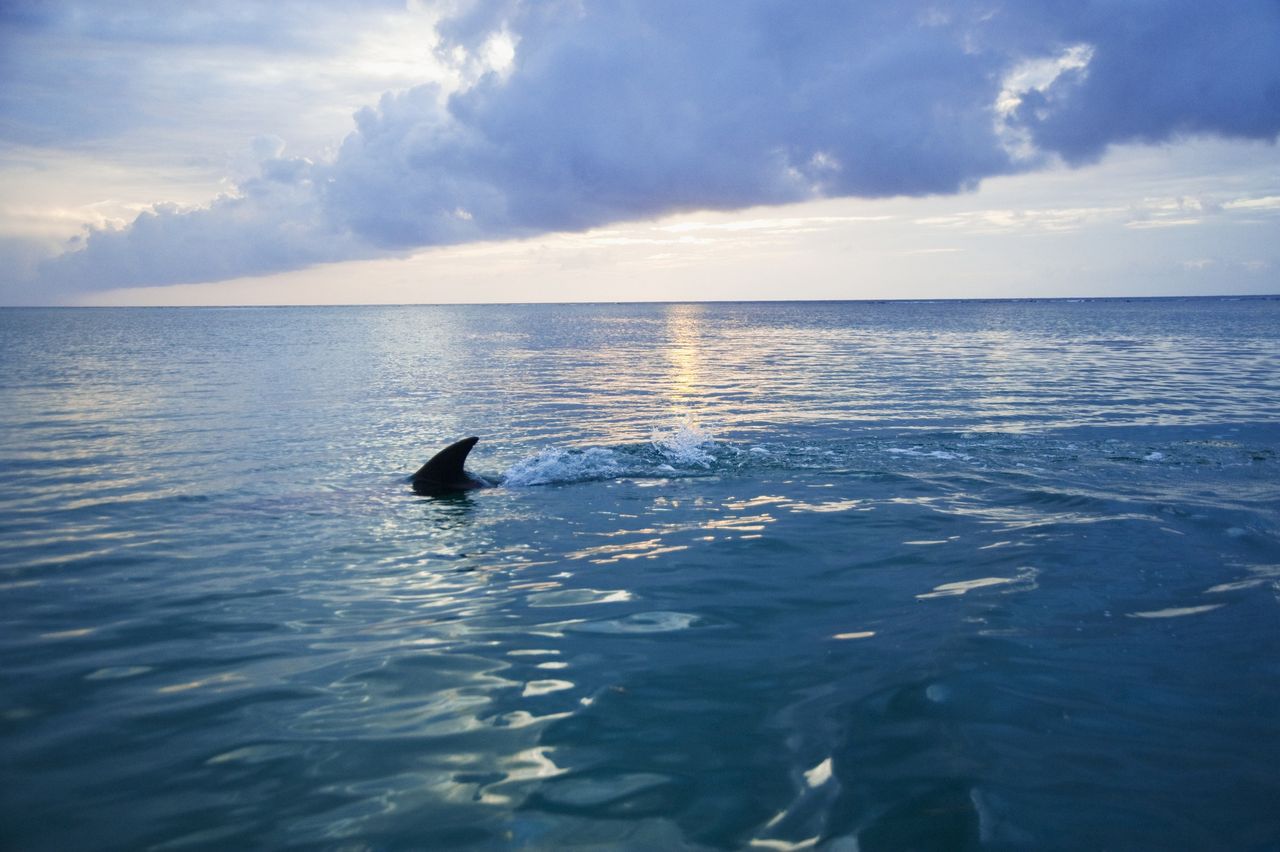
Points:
686	449
682	450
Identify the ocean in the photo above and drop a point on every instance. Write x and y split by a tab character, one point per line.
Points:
845	576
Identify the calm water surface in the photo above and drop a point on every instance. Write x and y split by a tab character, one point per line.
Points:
775	576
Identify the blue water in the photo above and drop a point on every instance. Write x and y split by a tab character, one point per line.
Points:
855	576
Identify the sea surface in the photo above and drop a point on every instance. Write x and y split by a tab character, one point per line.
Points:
846	576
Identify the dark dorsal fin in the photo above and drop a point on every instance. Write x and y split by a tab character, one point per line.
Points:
445	467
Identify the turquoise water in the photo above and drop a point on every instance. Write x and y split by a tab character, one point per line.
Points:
851	575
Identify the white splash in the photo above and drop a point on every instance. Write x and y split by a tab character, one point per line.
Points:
685	443
557	465
919	452
669	452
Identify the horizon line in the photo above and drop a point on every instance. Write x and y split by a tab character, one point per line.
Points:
1220	296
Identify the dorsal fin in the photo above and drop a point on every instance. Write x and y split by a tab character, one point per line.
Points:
445	467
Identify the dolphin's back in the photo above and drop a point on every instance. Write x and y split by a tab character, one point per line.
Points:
444	472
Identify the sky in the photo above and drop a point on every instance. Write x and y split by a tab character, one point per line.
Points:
570	150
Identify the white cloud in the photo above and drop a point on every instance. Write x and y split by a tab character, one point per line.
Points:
1269	202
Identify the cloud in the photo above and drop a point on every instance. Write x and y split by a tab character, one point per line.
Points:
1157	72
562	116
20	257
273	226
84	75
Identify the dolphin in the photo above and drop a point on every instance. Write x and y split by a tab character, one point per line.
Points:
443	474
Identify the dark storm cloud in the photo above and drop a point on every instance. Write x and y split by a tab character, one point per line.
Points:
649	108
621	110
1158	70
